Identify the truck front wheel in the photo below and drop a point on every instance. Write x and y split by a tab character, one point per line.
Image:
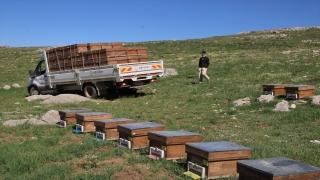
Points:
34	91
90	91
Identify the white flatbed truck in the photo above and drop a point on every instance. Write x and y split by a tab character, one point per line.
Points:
93	81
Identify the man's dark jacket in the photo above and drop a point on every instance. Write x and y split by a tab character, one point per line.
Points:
204	62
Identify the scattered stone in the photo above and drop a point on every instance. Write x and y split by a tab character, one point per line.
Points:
14	122
65	98
38	97
154	91
292	106
241	102
315	141
51	117
209	94
170	72
265	98
35	121
282	106
316	100
315	51
300	101
15	85
286	52
17	103
6	87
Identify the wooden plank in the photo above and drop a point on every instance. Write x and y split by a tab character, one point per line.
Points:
92	116
113	123
217	151
174	137
278	168
110	134
140	129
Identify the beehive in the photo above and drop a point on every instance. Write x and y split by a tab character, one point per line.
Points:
215	159
171	143
85	121
68	116
135	136
299	91
274	89
106	129
277	168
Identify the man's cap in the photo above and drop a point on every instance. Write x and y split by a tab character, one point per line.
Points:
204	52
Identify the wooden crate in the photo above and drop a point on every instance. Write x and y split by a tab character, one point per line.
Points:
278	168
69	115
218	159
87	120
137	133
97	46
299	91
274	89
108	127
172	143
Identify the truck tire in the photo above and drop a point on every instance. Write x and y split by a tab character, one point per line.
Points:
90	91
34	91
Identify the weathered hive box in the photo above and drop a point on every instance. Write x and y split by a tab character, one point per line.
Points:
171	144
299	91
278	168
135	136
85	121
68	116
106	129
97	46
215	159
274	89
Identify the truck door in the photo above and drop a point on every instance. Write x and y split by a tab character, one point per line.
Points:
41	77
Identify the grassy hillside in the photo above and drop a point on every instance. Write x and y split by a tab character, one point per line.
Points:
240	65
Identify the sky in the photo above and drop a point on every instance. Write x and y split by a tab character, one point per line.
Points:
26	23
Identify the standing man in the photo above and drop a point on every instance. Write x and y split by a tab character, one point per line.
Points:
203	66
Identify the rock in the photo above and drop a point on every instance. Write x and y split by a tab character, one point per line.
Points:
265	98
15	85
241	102
282	106
315	141
51	117
14	122
37	97
286	52
65	98
316	100
6	87
170	72
292	106
35	121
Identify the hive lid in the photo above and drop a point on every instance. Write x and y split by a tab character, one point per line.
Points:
141	125
279	166
174	133
113	120
219	146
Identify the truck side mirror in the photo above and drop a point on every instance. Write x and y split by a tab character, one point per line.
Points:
31	74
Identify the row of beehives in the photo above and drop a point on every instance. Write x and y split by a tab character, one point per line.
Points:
204	159
290	91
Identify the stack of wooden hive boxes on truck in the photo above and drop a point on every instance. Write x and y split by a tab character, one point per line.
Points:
81	56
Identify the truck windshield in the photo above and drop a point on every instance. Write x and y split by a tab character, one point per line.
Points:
41	68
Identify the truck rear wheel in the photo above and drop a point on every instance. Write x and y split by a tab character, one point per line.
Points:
34	91
90	91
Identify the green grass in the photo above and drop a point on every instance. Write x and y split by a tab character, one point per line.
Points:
240	65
